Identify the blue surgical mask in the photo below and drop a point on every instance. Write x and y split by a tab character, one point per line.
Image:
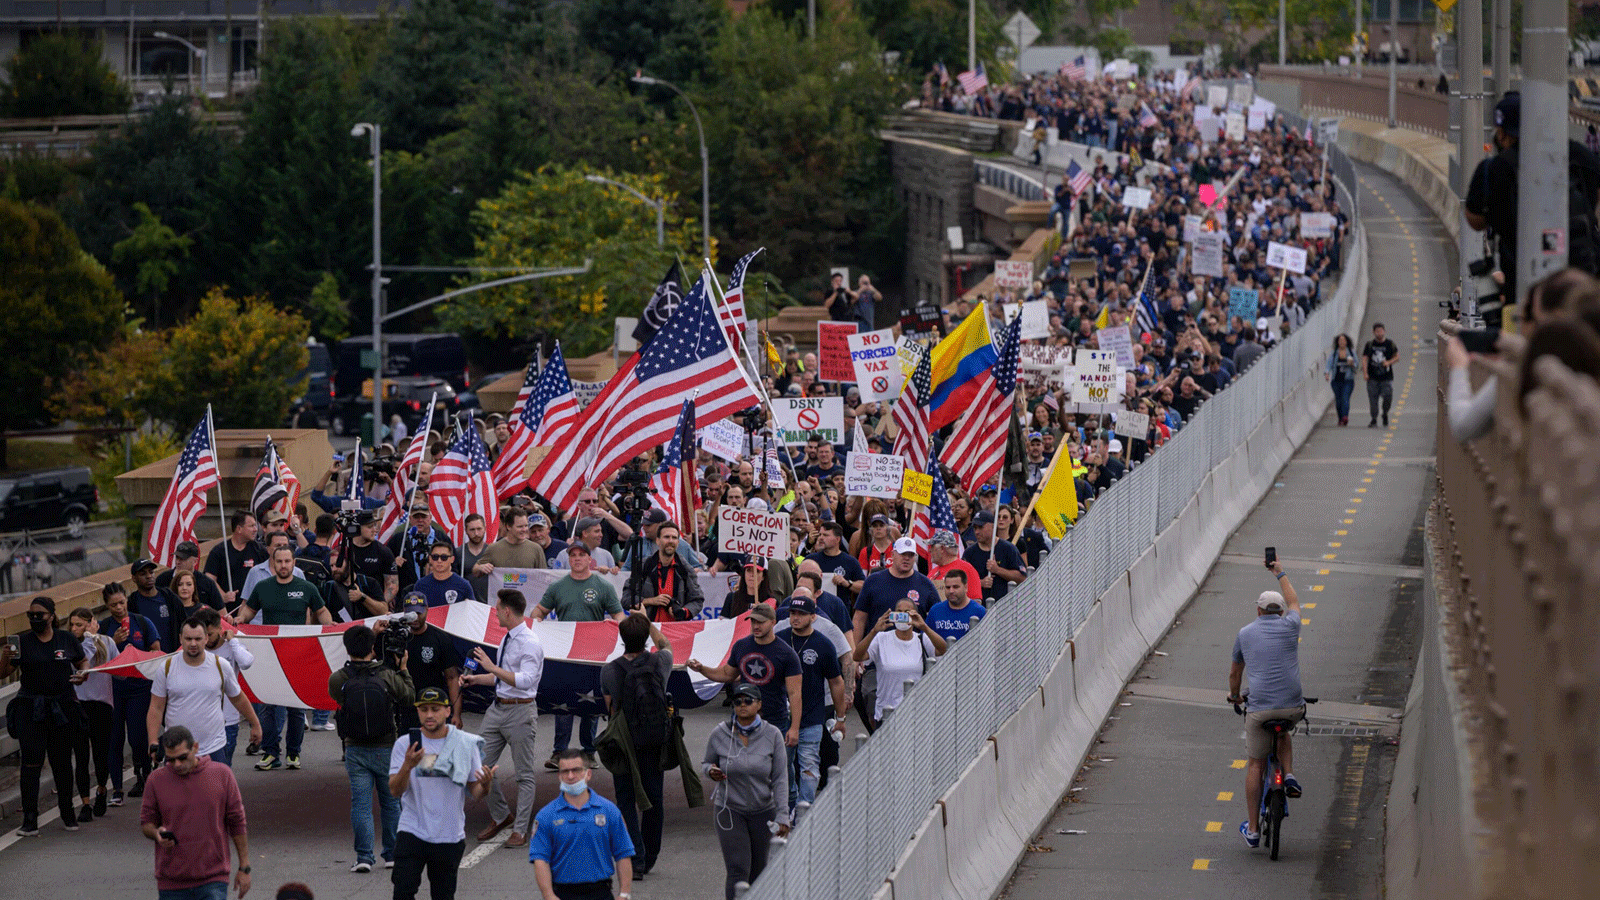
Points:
750	729
573	789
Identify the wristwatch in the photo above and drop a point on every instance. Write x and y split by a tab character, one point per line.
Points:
245	869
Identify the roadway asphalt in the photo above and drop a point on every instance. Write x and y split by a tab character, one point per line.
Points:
299	826
1155	811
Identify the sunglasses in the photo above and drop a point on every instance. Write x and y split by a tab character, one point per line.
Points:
32	614
444	556
182	757
744	701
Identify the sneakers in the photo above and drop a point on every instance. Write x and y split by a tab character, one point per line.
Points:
1373	424
116	798
388	864
252	749
1386	420
69	824
268	762
138	788
292	762
86	814
361	868
1253	838
28	829
1291	785
552	763
100	803
329	725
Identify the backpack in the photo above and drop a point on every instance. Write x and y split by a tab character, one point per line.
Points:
644	703
367	714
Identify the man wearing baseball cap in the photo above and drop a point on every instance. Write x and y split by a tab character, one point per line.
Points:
769	664
943	554
433	777
879	593
1269	648
997	559
821	680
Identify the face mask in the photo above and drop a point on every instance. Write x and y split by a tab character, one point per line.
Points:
750	729
39	626
902	626
573	790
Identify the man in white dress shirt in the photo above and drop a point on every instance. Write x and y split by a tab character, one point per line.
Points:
511	721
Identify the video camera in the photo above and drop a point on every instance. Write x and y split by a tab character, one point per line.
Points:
383	465
397	637
350	517
633	495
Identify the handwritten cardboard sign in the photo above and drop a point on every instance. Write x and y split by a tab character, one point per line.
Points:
873	474
1283	256
753	533
833	351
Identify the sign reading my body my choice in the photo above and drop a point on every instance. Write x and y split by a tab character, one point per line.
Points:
753	533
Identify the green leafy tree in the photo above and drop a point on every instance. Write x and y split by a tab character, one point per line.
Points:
436	56
330	314
61	74
113	387
243	357
152	252
666	38
1316	29
555	217
928	31
60	304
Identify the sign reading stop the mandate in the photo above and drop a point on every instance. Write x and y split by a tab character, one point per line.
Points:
873	356
752	533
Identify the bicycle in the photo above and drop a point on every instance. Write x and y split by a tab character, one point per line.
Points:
1274	796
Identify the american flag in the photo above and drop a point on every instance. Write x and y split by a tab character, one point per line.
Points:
545	413
269	489
1147	119
911	417
638	407
673	485
461	485
944	74
774	471
936	515
186	496
731	312
1075	70
977	446
293	662
1144	311
973	81
1189	86
1078	177
396	510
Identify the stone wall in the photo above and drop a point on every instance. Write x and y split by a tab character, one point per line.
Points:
935	186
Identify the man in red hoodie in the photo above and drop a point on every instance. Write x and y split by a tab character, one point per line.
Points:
191	809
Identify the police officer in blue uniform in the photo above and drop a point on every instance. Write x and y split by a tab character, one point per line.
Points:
580	841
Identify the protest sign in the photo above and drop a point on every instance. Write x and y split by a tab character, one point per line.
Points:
1234	126
923	321
1136	197
873	360
1255	119
1328	130
800	417
1207	254
1283	256
1217	96
1035	318
1242	94
1013	273
585	391
723	440
1132	424
873	474
1316	225
1118	340
833	351
1042	367
910	352
1096	381
1208	194
1191	227
917	487
1243	303
752	533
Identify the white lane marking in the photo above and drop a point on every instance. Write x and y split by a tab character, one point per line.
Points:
482	851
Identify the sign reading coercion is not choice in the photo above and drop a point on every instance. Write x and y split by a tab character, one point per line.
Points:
753	533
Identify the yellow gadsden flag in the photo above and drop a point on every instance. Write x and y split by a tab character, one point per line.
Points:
1057	501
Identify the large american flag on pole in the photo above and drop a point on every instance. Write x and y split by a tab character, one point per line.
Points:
672	486
973	81
1075	70
185	499
546	411
913	438
936	515
638	408
461	484
731	312
395	510
1078	177
293	662
1147	119
977	446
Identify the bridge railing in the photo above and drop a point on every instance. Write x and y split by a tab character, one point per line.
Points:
875	814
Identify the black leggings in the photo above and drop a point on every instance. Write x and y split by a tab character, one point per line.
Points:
94	744
41	741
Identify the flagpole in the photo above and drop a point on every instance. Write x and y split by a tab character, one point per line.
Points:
1051	471
427	426
222	514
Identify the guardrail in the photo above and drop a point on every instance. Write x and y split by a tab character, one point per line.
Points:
1023	187
985	743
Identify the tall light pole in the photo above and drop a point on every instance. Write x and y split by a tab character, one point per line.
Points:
1394	56
705	162
197	51
375	132
657	205
1283	42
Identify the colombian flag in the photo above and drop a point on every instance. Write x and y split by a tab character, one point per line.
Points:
962	366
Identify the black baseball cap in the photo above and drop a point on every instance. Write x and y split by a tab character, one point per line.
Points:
432	696
144	565
746	689
802	604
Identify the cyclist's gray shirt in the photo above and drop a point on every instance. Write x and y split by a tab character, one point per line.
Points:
1269	647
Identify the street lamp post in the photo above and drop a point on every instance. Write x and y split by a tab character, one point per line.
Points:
375	132
705	161
205	69
657	205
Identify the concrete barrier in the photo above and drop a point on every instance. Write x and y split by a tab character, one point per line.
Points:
981	847
1125	647
1151	599
923	870
1029	777
1095	684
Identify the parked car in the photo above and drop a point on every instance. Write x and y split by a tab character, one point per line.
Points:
406	396
48	498
439	355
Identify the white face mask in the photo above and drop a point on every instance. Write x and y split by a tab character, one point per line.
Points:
902	626
573	789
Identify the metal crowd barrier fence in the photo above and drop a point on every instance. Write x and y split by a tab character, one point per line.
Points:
858	827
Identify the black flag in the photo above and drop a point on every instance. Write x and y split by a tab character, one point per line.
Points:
663	303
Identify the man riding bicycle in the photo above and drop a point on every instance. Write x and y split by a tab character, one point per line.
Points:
1270	648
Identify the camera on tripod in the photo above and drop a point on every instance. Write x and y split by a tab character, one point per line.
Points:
1490	299
633	495
350	517
397	637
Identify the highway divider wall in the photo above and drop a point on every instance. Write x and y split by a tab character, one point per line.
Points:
943	800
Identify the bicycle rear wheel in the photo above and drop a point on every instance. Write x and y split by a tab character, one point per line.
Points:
1276	805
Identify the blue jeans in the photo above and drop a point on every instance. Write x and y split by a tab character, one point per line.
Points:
212	890
225	755
1342	388
272	728
805	766
368	768
585	733
320	717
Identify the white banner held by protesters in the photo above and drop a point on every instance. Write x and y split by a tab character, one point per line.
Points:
752	533
1013	273
873	356
873	474
1136	197
1316	225
1132	424
1118	340
1035	319
1096	383
723	440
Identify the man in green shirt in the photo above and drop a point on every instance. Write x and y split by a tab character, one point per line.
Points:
285	600
581	596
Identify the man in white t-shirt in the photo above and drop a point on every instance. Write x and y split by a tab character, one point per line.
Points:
231	649
189	690
433	780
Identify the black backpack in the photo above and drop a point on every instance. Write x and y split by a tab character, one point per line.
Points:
367	714
644	702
